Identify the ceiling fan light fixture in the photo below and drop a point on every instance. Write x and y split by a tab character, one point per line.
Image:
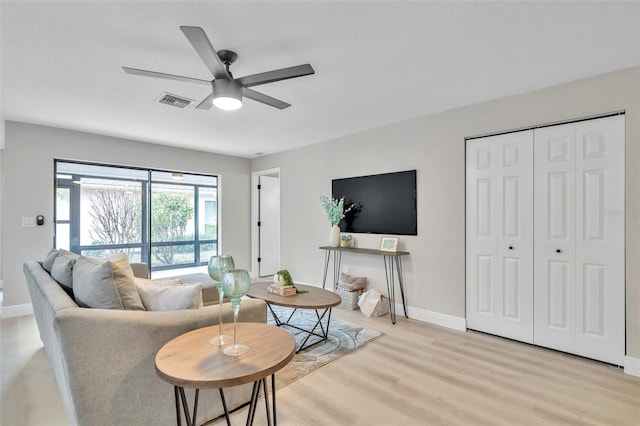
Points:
227	94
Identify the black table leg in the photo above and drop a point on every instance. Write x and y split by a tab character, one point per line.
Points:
224	405
273	398
401	284
388	270
178	416
190	419
255	393
327	257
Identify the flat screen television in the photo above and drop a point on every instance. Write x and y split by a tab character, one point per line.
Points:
383	204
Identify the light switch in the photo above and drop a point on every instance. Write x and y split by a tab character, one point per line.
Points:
28	222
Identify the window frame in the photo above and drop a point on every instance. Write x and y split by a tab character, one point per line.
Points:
146	243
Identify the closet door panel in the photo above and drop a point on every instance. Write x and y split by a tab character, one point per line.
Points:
554	254
600	239
500	236
482	166
515	242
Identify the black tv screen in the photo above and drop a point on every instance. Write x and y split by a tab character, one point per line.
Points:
383	204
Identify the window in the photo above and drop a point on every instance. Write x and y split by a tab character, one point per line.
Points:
147	214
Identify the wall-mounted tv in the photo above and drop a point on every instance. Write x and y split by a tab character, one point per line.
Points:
384	203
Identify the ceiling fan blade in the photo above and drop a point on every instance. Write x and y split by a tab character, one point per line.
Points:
207	102
145	73
276	75
208	54
262	98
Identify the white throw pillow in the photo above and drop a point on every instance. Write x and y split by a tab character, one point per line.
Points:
105	284
159	281
169	297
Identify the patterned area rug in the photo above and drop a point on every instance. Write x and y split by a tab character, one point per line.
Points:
343	338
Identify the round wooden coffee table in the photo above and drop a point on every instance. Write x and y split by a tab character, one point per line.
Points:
315	298
190	361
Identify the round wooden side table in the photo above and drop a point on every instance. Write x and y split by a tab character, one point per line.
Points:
318	299
190	361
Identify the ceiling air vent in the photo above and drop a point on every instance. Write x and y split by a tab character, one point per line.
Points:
173	100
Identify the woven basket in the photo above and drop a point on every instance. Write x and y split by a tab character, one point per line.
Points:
382	308
349	299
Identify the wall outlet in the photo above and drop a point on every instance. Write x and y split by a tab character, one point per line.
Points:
28	222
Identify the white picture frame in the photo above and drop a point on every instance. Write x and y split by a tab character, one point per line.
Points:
389	244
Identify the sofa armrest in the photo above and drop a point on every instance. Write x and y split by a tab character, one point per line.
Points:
109	357
140	270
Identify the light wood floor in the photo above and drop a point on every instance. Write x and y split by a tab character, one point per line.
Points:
416	374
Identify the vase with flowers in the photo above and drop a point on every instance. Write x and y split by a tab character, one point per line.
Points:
335	212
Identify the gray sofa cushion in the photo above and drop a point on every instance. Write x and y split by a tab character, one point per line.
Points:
62	269
105	284
47	264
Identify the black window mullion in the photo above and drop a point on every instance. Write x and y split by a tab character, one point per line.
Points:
74	215
196	216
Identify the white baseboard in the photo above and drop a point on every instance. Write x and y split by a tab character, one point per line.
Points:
436	318
430	317
632	366
17	310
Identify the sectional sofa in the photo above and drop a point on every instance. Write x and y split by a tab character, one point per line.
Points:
103	359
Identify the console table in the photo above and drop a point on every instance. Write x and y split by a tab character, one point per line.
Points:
392	267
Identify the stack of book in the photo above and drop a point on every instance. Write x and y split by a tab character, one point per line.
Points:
282	290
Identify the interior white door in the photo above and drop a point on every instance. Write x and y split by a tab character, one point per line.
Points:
269	225
579	238
600	228
554	245
500	235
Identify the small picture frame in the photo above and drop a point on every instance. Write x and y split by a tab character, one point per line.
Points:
347	241
389	244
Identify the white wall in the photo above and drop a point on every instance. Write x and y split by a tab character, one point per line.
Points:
434	145
29	190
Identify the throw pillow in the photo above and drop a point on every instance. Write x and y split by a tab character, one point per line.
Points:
62	269
350	284
159	281
122	261
47	263
105	284
172	297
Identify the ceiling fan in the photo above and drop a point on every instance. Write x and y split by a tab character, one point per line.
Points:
227	92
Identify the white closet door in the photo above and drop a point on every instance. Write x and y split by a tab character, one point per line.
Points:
500	235
600	307
579	238
554	253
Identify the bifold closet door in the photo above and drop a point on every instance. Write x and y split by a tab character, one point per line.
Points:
500	235
579	238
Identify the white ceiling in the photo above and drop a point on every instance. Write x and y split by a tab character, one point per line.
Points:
376	63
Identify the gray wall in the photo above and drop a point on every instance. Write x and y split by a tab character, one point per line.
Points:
29	190
434	145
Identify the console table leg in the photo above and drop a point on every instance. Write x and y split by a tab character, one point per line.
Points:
388	270
401	284
327	258
338	267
